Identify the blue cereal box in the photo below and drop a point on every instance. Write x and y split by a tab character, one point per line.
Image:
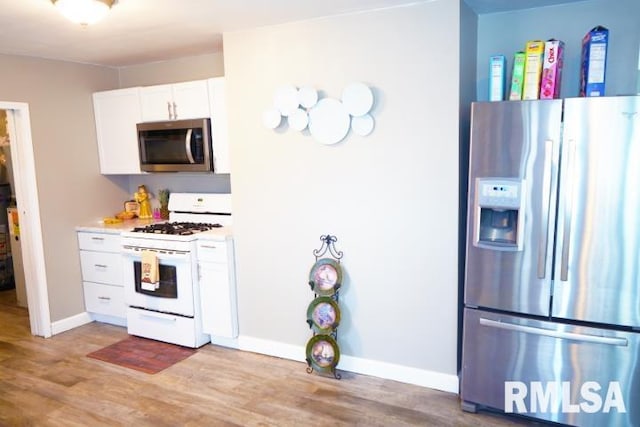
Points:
497	77
594	62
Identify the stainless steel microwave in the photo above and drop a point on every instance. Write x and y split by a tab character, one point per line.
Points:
175	146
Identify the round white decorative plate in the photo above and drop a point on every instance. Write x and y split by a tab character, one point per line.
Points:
286	99
307	96
329	121
271	118
298	119
362	125
357	99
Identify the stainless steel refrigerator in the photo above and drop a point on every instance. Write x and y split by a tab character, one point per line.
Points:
552	281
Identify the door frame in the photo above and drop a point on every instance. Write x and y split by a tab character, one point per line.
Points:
26	191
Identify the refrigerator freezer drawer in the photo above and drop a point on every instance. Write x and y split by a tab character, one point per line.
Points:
516	365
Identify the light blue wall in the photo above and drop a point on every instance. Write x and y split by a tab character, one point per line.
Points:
505	33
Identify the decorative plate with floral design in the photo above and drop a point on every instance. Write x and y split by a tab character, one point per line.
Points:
323	315
323	353
325	277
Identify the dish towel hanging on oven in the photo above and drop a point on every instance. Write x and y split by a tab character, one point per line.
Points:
149	277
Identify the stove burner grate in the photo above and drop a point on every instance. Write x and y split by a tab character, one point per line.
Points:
177	228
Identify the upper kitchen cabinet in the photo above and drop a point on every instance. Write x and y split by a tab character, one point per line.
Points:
187	100
219	126
116	114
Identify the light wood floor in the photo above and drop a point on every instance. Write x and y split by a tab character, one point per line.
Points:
51	382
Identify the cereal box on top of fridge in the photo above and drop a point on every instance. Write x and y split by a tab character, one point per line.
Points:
551	69
594	62
534	51
497	77
517	76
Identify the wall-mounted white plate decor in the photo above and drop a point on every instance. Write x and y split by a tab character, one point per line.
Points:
307	96
329	121
286	99
298	119
357	99
362	125
271	118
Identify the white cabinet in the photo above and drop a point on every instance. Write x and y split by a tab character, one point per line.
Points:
116	114
101	265
219	125
217	288
118	111
187	100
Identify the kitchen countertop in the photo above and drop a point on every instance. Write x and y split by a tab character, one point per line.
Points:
126	225
215	234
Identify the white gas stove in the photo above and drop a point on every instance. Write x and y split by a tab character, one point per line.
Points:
169	309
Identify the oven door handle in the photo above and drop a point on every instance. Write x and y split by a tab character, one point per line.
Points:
159	317
136	252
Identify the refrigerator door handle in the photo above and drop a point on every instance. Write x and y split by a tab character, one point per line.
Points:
546	203
620	342
567	200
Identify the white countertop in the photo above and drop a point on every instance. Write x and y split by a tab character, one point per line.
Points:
216	234
126	225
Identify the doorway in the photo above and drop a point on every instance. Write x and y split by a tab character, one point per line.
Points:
26	192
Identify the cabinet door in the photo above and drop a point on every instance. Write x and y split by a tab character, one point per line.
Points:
191	100
217	301
116	114
219	126
156	103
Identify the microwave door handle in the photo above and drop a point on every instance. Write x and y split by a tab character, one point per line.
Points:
187	146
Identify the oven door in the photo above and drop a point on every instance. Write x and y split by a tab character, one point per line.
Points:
175	291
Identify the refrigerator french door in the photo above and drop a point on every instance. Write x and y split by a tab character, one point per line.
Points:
552	281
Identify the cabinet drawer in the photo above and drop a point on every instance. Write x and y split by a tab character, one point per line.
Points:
101	267
212	251
105	299
99	241
170	328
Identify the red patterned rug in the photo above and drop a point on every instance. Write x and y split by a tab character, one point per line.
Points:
142	354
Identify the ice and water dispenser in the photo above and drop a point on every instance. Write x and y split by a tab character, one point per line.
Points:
499	214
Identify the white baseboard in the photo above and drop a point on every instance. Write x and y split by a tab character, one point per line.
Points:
390	371
70	323
224	342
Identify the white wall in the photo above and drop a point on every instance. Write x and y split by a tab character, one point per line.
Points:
390	198
70	188
177	70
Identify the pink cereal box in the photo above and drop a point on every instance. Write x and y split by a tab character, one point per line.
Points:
551	69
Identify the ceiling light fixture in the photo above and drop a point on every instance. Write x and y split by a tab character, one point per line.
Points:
84	12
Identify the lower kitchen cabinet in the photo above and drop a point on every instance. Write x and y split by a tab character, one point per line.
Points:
101	265
217	288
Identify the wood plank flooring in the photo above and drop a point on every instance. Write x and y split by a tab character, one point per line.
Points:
51	382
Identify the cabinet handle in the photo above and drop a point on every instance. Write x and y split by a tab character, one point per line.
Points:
105	298
209	247
169	110
175	111
100	265
97	238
